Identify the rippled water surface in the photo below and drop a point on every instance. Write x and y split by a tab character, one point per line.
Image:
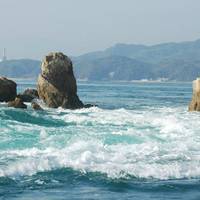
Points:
140	143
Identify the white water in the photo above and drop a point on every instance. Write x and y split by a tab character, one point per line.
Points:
161	143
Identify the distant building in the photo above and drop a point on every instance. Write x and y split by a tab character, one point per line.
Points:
4	58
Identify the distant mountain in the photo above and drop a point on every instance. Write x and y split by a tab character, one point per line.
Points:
23	68
151	54
113	68
172	61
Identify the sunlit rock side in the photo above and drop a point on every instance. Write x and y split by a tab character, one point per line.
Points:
8	89
56	84
195	103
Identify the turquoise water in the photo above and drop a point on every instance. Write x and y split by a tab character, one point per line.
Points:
140	143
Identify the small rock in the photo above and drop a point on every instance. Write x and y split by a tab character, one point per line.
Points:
17	103
36	106
89	105
28	95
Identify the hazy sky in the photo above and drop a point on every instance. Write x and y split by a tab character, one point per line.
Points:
31	28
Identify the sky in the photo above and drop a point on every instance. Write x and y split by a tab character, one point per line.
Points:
32	28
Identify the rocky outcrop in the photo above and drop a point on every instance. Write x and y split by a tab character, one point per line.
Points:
57	84
28	95
195	103
17	103
8	89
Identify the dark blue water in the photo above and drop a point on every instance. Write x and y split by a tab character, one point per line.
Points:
140	143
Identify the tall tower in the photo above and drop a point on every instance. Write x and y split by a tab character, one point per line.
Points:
4	55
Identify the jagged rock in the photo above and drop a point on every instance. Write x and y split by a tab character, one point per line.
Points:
8	89
36	106
17	103
195	103
57	84
28	95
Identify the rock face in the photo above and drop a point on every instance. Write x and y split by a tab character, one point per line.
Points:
28	95
57	84
195	103
8	89
17	103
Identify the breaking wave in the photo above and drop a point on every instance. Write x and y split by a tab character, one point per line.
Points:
158	142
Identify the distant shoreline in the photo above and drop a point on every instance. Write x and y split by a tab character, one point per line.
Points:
107	81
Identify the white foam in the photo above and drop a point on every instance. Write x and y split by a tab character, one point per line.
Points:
161	143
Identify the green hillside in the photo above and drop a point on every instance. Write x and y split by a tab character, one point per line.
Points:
23	68
173	61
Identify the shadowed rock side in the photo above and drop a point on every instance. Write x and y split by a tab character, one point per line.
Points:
8	90
57	84
195	103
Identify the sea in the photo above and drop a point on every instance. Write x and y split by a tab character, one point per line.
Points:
140	142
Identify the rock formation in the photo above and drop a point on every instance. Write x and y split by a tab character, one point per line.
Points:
57	84
28	95
17	103
195	103
8	90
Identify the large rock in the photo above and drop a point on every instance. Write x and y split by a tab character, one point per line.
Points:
8	89
195	103
57	84
28	95
17	103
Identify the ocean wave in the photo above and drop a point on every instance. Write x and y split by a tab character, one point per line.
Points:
161	143
117	161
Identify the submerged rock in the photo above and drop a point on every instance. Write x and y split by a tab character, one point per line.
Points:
57	84
8	89
195	103
89	105
17	103
28	95
36	106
